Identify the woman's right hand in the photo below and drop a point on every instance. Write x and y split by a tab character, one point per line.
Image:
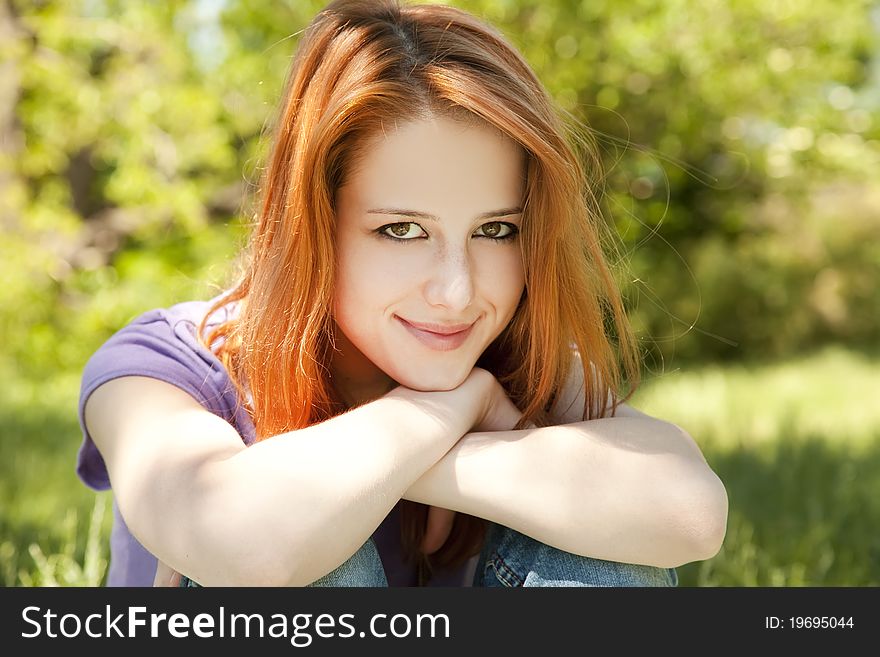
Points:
479	403
496	413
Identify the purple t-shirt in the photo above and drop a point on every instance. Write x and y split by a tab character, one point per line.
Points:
161	344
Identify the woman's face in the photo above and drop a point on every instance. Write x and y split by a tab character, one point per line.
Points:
429	268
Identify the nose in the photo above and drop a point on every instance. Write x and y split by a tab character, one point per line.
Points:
451	283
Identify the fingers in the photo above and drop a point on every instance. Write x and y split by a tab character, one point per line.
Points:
502	414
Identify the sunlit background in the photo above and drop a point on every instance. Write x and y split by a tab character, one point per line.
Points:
741	141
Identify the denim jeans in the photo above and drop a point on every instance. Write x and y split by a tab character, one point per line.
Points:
509	558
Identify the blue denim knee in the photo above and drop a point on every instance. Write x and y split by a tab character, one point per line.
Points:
510	558
364	568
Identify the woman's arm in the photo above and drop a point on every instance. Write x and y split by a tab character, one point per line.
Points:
285	511
630	488
626	489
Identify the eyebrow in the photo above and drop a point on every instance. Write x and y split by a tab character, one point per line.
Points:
424	215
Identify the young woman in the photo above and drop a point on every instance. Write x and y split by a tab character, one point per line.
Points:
418	378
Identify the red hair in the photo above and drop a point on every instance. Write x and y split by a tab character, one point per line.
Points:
362	63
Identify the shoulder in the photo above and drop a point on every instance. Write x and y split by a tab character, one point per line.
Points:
160	345
569	407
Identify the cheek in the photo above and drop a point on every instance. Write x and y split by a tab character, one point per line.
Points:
367	279
503	277
347	283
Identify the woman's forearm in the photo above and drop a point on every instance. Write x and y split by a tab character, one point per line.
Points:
287	510
627	489
300	504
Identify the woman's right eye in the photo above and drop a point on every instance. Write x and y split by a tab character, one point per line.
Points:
404	231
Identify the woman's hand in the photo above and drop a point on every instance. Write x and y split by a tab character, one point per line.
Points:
498	414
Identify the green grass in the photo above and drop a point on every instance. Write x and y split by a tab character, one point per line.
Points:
797	444
47	515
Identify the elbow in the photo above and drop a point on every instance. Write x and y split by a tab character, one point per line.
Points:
274	559
699	504
260	568
703	518
257	565
268	573
714	525
243	545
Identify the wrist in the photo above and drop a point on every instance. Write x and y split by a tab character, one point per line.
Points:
451	411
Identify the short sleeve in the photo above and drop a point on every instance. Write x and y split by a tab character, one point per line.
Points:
160	344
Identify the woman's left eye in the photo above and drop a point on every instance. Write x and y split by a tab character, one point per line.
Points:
498	230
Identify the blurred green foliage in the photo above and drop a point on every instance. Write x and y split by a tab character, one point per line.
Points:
741	142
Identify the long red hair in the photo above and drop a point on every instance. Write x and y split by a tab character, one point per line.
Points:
362	63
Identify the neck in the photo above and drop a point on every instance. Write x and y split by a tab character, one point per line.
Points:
354	377
353	394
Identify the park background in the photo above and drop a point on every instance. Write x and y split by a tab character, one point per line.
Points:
741	142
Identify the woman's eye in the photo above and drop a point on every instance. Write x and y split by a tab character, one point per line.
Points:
407	231
497	230
402	231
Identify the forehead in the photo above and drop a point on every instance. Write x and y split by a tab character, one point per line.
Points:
438	164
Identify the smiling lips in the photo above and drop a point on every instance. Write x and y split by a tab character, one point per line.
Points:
438	336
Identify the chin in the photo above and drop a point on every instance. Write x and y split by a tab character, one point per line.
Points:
431	382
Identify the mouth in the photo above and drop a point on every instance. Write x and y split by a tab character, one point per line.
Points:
437	336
